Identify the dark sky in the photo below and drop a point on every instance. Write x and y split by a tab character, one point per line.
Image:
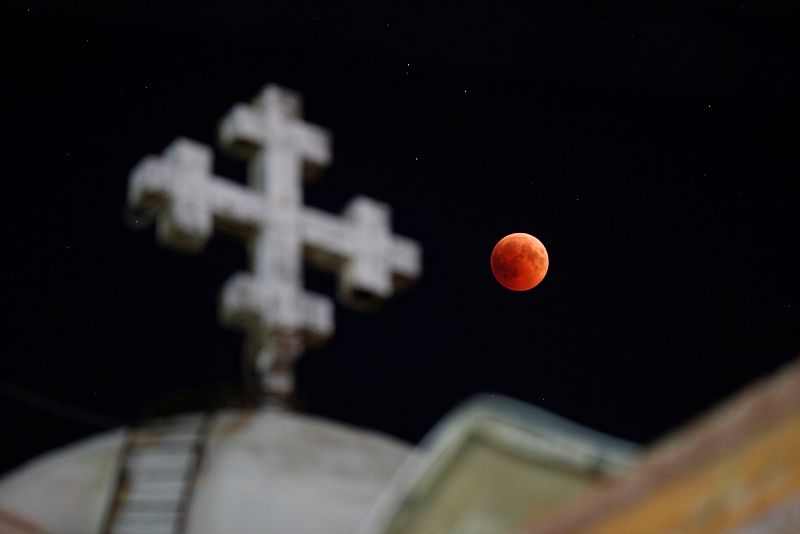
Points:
655	157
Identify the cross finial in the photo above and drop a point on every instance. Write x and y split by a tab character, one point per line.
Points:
279	316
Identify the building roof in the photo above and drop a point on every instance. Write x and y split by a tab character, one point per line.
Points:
732	467
262	471
491	463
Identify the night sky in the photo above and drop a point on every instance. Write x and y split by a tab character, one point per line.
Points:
656	157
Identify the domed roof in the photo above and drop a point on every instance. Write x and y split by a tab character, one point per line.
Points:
260	472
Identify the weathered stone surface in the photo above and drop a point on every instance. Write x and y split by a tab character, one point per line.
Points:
283	474
13	525
263	472
67	490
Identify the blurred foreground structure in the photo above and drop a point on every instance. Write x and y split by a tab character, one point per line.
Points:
494	465
491	466
734	471
261	471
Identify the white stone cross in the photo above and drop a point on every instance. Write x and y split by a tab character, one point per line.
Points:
279	316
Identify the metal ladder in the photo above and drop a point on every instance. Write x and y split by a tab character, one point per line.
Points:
158	467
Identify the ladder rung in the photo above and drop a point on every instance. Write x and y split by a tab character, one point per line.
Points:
141	503
164	441
143	529
168	426
145	461
133	515
155	490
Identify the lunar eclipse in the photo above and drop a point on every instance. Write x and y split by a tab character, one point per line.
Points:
519	262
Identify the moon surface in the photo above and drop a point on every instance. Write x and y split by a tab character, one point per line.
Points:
519	261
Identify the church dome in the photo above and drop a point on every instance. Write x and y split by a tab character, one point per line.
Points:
260	472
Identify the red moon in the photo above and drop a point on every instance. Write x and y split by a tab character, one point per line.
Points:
519	262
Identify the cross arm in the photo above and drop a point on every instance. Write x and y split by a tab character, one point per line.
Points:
166	186
274	117
187	199
242	131
370	261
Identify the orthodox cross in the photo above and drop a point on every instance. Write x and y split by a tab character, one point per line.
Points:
279	316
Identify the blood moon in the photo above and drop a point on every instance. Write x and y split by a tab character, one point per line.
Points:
519	261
